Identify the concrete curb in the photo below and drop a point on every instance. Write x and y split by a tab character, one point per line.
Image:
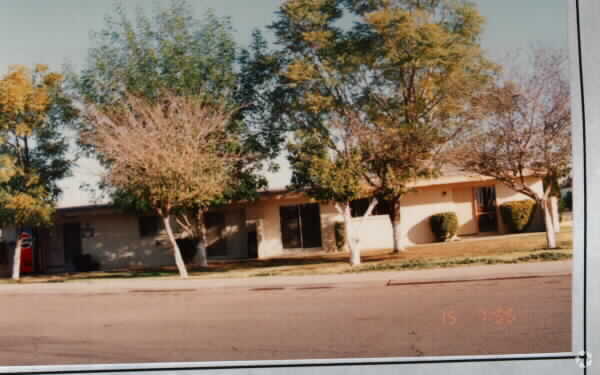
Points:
357	280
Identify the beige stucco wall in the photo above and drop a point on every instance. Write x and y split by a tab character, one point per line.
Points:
465	210
117	243
376	231
266	215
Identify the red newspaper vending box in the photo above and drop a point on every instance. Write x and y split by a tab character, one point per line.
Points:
26	253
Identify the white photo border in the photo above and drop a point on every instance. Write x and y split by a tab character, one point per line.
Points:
584	32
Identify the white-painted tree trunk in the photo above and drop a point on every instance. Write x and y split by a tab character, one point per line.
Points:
352	238
178	258
16	271
202	240
555	214
396	228
353	244
548	222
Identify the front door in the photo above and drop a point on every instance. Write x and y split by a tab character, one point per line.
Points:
72	243
485	209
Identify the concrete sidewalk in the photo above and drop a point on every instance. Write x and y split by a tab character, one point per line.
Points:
468	273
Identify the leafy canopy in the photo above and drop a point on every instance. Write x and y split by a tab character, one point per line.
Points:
409	71
33	149
171	51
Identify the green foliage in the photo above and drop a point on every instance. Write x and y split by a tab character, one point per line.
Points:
340	234
169	50
34	114
172	50
323	171
517	214
410	70
263	95
444	225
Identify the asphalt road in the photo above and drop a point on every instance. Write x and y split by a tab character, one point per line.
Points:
78	323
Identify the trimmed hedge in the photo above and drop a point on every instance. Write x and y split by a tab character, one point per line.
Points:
340	234
444	225
517	215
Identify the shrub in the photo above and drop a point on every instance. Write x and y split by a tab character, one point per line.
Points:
444	225
340	234
517	215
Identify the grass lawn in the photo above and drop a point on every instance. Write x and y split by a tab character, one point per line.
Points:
518	248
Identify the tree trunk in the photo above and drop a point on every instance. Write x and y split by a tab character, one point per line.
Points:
16	272
202	239
178	258
397	231
548	222
555	214
353	245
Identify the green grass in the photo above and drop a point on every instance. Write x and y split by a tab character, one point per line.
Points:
426	264
508	249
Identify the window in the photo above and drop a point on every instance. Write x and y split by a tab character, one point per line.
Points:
148	226
215	228
485	208
300	226
358	207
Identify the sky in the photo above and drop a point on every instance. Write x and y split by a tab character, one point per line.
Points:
58	32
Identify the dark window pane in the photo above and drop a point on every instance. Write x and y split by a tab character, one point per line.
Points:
148	226
72	241
358	207
486	208
290	227
310	216
215	227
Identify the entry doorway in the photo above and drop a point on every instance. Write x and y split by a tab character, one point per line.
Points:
485	209
72	244
300	226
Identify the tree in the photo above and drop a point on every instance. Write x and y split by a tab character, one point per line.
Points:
170	153
33	149
412	69
527	131
329	167
172	50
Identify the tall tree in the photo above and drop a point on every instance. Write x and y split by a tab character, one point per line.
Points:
327	164
412	69
169	50
527	131
168	153
172	50
33	115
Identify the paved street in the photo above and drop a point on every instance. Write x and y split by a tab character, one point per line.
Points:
363	315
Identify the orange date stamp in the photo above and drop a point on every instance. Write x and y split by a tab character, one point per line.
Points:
500	316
